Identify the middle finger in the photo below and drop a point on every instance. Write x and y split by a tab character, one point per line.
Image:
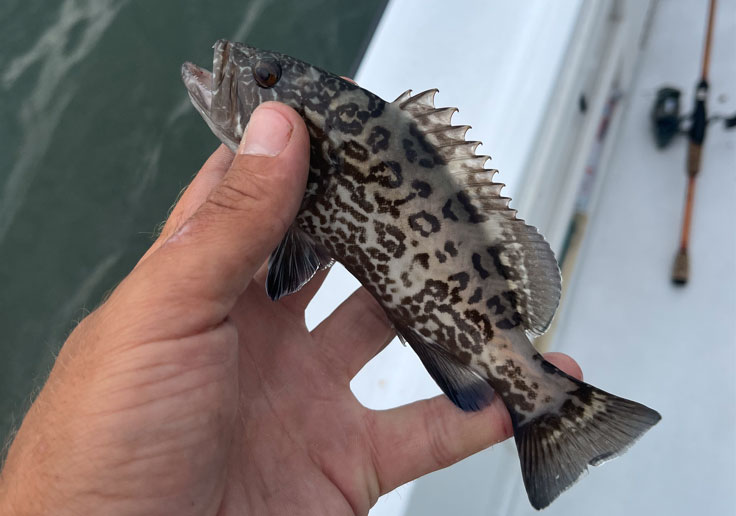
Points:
355	332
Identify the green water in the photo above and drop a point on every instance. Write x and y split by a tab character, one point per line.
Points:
97	137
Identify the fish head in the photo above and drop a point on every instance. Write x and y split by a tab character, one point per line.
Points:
243	77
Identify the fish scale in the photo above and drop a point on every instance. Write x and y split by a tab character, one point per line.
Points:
398	196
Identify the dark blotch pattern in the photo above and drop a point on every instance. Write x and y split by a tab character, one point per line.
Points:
424	223
478	267
447	211
379	139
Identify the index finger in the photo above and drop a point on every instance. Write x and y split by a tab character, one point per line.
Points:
208	177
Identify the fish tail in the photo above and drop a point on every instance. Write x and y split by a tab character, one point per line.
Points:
586	427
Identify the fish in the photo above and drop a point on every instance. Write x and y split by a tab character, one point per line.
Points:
397	195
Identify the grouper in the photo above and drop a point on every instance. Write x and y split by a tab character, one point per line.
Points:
397	195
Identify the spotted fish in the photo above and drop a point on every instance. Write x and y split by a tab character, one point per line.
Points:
398	196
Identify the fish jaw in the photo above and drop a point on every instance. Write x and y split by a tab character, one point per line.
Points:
198	83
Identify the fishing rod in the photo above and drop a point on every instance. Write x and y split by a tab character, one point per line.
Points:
696	135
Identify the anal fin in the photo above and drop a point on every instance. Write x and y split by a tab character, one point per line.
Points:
293	263
460	383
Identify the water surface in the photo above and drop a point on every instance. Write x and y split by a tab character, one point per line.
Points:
97	137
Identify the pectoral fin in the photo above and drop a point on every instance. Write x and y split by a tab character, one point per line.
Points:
293	263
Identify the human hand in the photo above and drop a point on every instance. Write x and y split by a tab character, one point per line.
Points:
190	392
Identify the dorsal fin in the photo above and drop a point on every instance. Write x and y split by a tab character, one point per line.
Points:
538	283
517	246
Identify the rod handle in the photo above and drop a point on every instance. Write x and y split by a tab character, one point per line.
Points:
693	159
681	268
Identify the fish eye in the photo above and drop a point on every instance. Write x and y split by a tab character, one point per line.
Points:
267	73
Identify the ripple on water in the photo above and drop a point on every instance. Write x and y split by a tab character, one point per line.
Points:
75	33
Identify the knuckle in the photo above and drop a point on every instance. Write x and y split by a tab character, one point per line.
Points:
246	193
249	192
236	196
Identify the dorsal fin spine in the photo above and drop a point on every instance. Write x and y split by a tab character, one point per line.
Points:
475	162
458	150
447	135
438	112
421	101
451	128
401	98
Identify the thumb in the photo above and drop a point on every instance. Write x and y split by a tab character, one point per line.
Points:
196	276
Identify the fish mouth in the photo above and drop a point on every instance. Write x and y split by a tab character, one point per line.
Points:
214	94
202	83
198	82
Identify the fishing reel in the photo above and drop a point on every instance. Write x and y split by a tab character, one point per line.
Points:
667	122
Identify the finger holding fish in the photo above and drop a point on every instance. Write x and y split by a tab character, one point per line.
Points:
298	302
354	333
433	434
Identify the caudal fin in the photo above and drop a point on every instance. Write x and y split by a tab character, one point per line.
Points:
589	428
